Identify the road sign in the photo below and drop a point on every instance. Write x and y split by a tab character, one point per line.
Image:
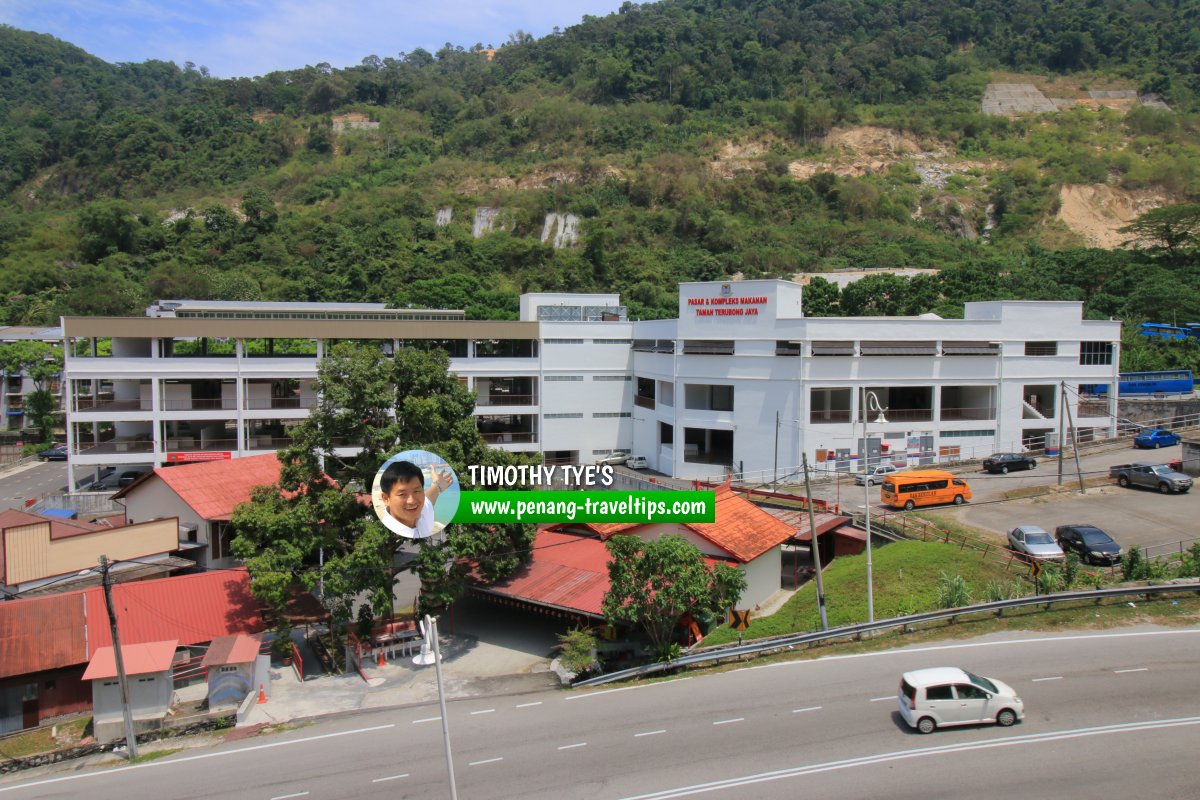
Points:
1036	568
739	620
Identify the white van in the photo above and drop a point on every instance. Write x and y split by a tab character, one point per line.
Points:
944	696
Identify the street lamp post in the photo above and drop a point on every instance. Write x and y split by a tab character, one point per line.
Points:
867	493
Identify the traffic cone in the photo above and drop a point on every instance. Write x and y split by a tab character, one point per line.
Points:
380	660
262	696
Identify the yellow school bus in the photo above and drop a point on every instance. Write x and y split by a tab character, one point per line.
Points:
931	487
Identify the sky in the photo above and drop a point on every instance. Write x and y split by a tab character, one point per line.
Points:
236	38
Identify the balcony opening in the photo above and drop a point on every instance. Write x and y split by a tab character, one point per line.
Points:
901	403
828	405
666	433
708	446
644	398
1039	401
507	428
506	391
968	402
505	348
455	348
707	397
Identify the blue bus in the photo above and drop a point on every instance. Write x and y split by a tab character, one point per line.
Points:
1172	381
1159	330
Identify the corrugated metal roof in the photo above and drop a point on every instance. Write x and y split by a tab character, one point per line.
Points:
41	634
567	571
214	488
139	659
798	520
240	649
62	630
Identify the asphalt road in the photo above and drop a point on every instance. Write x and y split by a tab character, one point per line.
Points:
1112	714
32	481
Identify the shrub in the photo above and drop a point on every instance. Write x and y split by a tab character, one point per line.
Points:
953	591
578	650
1134	566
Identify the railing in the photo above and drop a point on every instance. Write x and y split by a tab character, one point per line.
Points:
902	415
973	413
826	417
281	402
857	631
912	527
643	402
506	400
297	663
115	446
209	445
1155	552
101	404
509	437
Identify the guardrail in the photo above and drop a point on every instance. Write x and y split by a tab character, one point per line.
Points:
792	640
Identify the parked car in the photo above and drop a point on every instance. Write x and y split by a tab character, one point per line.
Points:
1156	438
1151	476
944	696
637	462
1034	543
118	480
875	474
56	453
1092	545
616	457
1003	462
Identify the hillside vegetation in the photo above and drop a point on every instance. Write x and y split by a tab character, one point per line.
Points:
691	139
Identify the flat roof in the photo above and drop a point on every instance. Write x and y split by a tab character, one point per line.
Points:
162	327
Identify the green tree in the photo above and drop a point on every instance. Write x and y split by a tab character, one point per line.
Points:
1173	230
654	583
38	361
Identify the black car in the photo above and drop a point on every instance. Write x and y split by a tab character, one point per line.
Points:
1003	462
1092	545
56	453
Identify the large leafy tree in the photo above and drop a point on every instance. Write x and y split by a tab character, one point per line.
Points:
1171	230
315	524
39	361
652	584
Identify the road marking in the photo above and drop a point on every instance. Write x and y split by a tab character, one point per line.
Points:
287	796
527	705
882	758
172	761
727	721
1139	669
1055	678
573	746
802	710
486	761
626	689
390	778
881	699
485	711
427	719
649	733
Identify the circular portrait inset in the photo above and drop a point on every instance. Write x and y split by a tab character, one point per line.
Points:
415	494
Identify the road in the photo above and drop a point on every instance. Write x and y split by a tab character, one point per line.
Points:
1114	714
32	481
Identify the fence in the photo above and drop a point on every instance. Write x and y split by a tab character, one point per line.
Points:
857	631
83	502
911	527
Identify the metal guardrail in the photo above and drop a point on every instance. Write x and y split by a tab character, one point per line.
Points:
791	640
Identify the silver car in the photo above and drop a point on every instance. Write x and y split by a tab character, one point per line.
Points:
875	474
1034	543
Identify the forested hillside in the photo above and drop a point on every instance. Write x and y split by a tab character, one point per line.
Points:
689	139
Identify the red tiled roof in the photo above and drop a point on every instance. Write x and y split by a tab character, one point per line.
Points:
214	488
62	630
741	528
138	659
42	633
240	649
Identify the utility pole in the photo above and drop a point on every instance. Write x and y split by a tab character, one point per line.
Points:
775	474
816	546
1061	433
130	737
432	631
1074	444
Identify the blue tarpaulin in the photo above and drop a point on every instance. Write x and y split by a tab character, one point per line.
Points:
64	513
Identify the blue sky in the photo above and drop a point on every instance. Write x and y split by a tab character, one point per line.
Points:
252	37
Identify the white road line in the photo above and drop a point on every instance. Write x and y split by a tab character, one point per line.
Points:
427	719
1139	669
390	778
881	699
287	796
573	746
626	689
1055	678
649	733
527	705
802	710
172	761
1036	739
485	761
727	721
484	711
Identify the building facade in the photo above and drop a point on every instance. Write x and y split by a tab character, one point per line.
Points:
739	382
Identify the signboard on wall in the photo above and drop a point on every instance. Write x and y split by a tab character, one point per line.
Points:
724	304
200	456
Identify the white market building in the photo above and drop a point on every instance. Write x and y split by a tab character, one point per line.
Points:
740	381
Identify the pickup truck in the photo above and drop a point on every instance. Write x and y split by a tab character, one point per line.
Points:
1152	476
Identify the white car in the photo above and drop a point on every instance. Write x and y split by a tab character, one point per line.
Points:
637	462
875	474
944	696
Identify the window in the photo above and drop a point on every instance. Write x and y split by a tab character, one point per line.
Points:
707	397
898	348
666	433
229	668
833	348
1093	354
970	348
644	396
709	347
610	414
220	534
563	378
1041	348
562	341
939	693
612	341
625	378
654	345
968	691
786	348
967	434
828	405
562	416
